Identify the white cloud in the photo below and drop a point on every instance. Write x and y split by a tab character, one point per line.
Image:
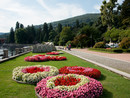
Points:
62	10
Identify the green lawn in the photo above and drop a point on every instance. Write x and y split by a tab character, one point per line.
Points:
114	85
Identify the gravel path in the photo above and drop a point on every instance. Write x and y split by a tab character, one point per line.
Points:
107	61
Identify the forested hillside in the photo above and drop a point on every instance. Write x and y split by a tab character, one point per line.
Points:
86	18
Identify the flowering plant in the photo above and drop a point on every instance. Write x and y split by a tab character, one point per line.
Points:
91	72
33	74
80	87
56	58
36	58
52	53
40	58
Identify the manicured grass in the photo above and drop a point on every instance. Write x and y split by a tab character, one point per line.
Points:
114	85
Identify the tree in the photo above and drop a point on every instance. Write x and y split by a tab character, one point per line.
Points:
59	28
52	35
21	26
11	36
65	35
45	32
77	23
17	26
109	10
50	27
80	40
20	36
38	34
125	13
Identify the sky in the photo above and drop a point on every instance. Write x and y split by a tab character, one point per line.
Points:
37	12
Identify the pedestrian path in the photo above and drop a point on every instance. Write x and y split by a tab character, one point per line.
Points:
117	66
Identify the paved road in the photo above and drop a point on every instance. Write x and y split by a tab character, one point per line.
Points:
110	62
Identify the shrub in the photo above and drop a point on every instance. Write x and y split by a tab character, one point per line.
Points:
125	43
117	50
99	45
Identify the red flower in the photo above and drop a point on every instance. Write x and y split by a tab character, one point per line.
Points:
33	69
91	72
67	81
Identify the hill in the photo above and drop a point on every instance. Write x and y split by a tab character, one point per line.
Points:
4	35
86	18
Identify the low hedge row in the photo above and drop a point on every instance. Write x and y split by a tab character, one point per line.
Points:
115	50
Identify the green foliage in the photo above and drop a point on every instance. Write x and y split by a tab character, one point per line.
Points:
109	11
125	13
56	39
125	43
65	35
17	26
12	36
80	40
99	45
45	32
20	36
93	35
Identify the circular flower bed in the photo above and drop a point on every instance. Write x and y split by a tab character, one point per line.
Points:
91	72
69	86
41	58
33	74
36	58
52	53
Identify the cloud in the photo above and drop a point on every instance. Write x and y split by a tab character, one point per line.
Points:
62	10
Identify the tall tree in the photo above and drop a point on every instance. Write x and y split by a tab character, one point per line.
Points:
17	26
125	13
11	36
109	10
38	35
20	36
59	28
46	32
50	27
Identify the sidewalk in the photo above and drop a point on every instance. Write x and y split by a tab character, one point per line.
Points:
110	62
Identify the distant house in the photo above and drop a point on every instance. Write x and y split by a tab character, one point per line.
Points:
2	40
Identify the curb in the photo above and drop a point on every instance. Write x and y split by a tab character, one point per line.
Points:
11	57
124	74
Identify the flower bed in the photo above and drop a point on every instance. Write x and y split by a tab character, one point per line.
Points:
33	74
41	58
56	58
52	53
36	58
69	86
91	72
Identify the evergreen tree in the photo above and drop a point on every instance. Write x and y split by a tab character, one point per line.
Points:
50	27
11	36
38	35
21	26
17	26
109	10
59	28
20	36
45	32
